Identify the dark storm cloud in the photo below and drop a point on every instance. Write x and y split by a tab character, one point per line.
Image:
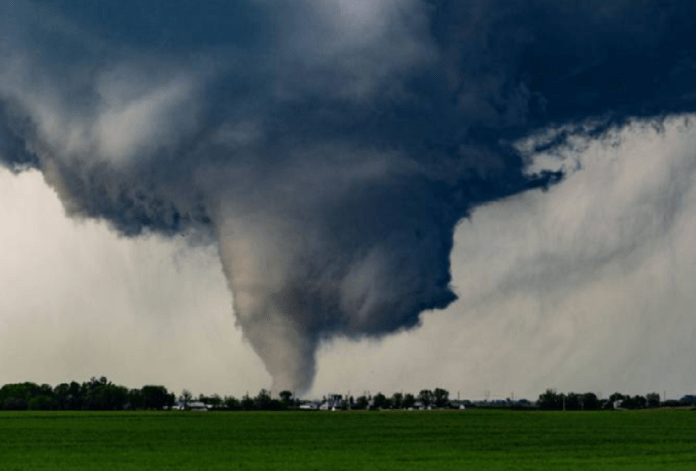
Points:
13	147
329	147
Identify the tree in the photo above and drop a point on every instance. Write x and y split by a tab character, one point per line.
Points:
573	401
263	400
617	396
215	400
688	400
116	397
17	396
635	402
101	394
409	401
441	397
670	403
640	402
520	404
426	397
653	400
186	397
550	400
589	401
135	399
75	401
14	403
247	403
286	397
156	397
397	400
361	403
46	390
231	403
379	401
42	403
614	400
61	395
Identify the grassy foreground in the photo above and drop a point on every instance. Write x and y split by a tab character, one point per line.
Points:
477	440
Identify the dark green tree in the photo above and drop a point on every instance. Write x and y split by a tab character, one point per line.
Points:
156	397
231	403
397	400
653	400
95	394
550	400
409	401
42	403
614	400
635	402
15	403
186	397
589	401
263	400
573	401
441	397
61	395
136	401
215	400
361	403
248	403
426	397
286	399
75	401
688	400
379	401
17	396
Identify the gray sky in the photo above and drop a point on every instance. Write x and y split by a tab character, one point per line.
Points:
583	287
387	194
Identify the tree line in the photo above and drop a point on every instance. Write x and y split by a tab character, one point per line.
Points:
552	400
100	394
438	398
95	394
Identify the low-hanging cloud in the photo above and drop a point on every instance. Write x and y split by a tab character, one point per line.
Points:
328	148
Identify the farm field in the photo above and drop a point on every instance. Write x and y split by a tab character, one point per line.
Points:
447	440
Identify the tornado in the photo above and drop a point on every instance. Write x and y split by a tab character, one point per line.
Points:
327	148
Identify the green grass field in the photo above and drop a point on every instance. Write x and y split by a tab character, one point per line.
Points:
476	440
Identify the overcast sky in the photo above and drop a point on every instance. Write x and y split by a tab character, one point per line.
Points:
339	196
582	287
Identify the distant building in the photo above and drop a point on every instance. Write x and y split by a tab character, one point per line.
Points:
197	406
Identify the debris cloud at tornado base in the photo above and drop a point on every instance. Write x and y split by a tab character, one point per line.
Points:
328	148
